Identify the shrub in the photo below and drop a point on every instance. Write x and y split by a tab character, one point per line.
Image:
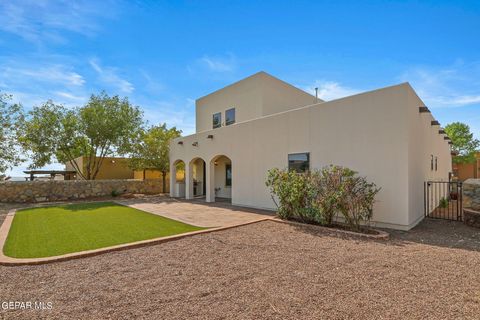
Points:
295	193
358	197
443	203
330	187
115	193
318	196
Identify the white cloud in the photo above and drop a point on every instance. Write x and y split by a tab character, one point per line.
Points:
179	113
32	85
219	64
454	86
39	21
52	74
109	76
330	90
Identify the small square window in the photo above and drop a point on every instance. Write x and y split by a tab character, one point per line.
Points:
230	116
217	120
299	162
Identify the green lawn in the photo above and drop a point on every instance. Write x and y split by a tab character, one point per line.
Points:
56	230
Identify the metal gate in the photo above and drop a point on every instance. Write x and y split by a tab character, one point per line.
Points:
443	200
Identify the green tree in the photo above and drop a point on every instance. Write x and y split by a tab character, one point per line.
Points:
152	152
10	117
103	127
463	142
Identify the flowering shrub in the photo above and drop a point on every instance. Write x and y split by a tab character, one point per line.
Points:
318	196
295	194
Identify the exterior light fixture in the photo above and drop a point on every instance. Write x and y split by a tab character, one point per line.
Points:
215	163
113	161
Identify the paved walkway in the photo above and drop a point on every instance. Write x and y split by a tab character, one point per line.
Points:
198	212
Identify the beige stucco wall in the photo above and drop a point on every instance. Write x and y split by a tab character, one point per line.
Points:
253	97
380	134
112	168
424	141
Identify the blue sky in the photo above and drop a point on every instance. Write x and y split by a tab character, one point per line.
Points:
163	55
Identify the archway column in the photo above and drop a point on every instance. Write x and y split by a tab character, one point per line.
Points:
173	179
189	180
210	183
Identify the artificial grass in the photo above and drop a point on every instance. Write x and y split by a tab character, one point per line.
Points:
56	230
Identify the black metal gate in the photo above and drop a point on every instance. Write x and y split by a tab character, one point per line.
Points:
443	200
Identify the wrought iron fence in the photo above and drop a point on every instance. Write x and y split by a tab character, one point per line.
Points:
443	200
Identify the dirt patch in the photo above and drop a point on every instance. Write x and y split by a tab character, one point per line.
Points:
266	270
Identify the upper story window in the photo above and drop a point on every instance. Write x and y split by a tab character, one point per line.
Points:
299	162
217	120
230	116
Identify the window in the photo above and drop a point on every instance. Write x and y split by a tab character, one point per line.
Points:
230	116
217	120
436	163
228	175
299	162
431	162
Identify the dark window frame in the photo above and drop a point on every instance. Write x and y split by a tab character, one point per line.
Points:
228	181
219	124
227	122
299	168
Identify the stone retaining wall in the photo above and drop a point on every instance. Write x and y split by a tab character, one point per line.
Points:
41	191
471	194
471	202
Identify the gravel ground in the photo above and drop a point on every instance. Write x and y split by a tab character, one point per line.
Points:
266	270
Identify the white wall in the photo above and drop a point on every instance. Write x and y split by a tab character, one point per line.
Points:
424	140
255	96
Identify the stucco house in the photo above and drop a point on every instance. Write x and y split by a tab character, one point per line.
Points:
261	122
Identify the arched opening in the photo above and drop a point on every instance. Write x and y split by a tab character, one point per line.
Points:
196	179
177	179
220	181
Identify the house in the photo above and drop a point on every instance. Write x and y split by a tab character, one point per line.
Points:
261	122
464	171
113	168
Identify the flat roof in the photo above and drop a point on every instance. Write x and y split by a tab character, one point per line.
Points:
49	171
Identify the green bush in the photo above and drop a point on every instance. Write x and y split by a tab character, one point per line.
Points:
318	196
115	193
443	203
295	193
356	203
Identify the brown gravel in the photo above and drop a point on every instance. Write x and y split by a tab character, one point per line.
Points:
266	270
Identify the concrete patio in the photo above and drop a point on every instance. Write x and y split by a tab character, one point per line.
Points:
197	212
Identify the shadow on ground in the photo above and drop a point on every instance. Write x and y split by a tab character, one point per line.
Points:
434	232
